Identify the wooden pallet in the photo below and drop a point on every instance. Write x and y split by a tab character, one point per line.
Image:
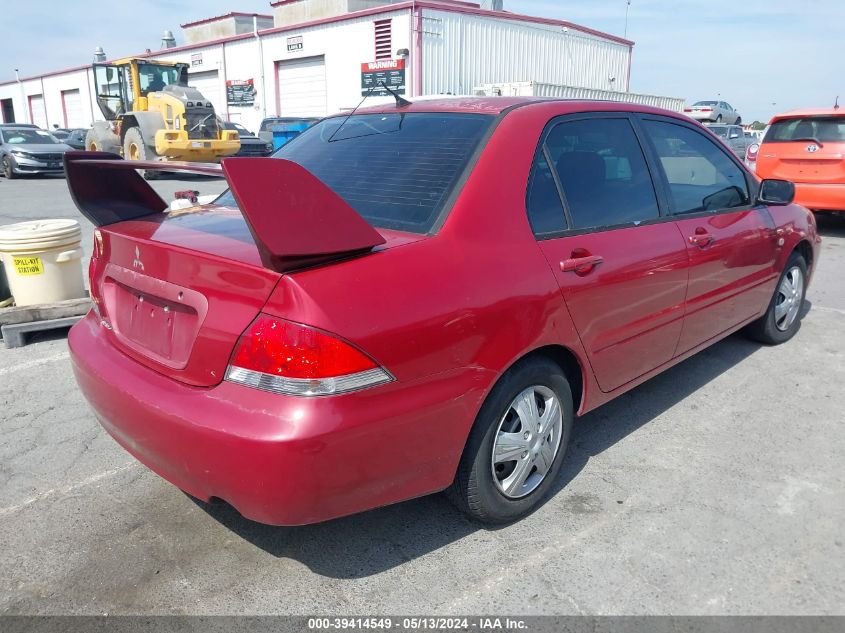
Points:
19	321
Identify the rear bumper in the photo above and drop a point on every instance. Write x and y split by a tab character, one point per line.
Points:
702	116
820	197
278	459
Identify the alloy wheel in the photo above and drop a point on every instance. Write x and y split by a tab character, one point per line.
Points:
789	298
527	441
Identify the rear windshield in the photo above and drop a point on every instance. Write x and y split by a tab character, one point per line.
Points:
704	103
719	130
823	129
395	170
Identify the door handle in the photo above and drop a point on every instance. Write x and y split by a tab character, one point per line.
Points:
701	238
581	265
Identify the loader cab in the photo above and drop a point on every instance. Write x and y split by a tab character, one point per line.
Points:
111	83
123	86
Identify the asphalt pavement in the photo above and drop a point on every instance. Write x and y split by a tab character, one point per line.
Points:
715	488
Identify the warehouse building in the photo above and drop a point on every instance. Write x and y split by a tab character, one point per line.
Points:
314	57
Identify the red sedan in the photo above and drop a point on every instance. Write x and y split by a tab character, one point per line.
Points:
421	298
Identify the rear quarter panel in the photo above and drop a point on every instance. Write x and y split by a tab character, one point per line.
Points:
796	224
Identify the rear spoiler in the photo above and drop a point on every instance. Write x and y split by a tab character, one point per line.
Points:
295	219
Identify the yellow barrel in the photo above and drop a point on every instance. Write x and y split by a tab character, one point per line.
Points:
43	260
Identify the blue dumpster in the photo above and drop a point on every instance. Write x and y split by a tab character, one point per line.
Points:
284	129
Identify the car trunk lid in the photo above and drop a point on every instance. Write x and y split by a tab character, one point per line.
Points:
795	161
174	291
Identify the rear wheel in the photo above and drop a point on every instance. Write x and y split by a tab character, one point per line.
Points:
8	168
783	316
738	120
134	148
516	446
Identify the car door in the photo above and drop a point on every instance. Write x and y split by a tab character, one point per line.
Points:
731	243
621	266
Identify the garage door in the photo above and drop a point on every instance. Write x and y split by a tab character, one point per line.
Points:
208	83
37	110
72	104
301	86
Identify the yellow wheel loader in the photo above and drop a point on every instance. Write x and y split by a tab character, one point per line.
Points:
152	114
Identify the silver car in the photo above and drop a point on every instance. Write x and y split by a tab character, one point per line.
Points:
734	137
28	150
716	111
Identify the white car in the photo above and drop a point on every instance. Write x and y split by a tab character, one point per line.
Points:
718	111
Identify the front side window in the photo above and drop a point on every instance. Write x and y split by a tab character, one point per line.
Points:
603	173
700	174
396	170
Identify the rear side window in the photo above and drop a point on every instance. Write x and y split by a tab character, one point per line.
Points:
396	170
545	210
603	173
820	129
700	174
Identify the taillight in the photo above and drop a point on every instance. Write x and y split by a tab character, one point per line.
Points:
687	109
285	357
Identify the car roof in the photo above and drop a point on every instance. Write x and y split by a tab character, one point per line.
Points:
498	105
19	126
809	112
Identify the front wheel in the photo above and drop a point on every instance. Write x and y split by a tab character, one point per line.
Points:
516	446
783	316
134	148
91	143
8	168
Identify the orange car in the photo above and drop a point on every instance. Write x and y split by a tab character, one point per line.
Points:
808	148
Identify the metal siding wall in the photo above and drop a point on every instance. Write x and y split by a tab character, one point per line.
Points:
536	89
461	51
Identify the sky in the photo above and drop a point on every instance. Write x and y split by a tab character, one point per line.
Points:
762	56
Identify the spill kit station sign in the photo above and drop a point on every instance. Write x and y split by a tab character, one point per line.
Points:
240	92
389	72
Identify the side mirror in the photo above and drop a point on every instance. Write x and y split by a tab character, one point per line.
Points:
776	192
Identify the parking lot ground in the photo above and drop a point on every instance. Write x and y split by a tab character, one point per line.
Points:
715	488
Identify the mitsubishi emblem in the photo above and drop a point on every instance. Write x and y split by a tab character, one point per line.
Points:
137	263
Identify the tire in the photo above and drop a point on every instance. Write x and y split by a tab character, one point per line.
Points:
91	143
738	121
134	148
719	119
8	168
491	492
783	316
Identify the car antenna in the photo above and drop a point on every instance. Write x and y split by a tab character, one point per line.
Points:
353	111
400	103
